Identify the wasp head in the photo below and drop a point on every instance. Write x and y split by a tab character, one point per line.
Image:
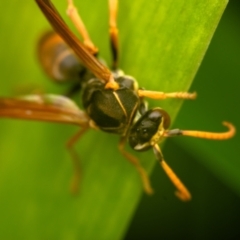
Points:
149	129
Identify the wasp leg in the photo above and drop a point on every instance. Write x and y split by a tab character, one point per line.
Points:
73	14
162	95
132	159
201	134
182	192
113	31
75	181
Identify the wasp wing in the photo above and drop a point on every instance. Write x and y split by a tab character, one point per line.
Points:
98	69
48	107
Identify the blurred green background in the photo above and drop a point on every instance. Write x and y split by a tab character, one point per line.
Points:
211	170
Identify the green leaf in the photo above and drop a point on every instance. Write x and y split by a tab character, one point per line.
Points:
162	45
217	84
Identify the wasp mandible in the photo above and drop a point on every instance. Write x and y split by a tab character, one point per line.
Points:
112	101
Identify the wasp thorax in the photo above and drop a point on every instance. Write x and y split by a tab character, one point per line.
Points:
148	129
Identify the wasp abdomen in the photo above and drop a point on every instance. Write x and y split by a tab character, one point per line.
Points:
57	59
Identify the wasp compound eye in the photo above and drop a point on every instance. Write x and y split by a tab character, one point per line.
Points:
146	127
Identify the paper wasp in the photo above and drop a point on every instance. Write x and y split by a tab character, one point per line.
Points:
113	102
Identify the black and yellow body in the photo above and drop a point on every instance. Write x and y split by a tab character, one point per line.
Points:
110	110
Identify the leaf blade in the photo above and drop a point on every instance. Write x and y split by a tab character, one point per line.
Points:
108	197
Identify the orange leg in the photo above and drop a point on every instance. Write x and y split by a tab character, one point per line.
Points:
77	21
182	192
132	159
162	95
75	181
73	14
113	30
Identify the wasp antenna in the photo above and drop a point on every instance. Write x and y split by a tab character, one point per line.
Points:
182	192
207	135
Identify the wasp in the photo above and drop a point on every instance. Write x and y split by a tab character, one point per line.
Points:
112	101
